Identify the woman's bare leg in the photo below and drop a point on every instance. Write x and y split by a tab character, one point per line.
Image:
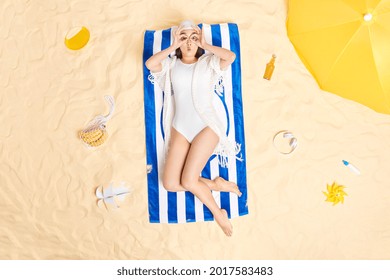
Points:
220	184
200	151
178	150
174	163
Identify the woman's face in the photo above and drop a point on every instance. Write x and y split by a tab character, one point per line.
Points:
189	48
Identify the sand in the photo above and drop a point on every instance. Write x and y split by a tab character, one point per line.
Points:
48	177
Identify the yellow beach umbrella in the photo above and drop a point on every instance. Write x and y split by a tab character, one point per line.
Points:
345	44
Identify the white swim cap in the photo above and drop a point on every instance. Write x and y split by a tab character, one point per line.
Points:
187	24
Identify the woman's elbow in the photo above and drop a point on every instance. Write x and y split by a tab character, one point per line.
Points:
232	57
153	67
147	64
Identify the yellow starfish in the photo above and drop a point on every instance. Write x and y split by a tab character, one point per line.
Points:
335	193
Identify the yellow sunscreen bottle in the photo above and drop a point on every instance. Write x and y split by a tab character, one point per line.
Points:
269	69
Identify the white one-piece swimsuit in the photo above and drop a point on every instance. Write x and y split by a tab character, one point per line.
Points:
187	120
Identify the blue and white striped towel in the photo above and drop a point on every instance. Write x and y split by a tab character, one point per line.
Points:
181	207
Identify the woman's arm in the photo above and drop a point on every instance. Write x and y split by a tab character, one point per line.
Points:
227	57
154	62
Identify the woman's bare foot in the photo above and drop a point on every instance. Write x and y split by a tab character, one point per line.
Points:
222	220
227	186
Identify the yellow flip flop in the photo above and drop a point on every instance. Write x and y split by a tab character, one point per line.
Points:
77	37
